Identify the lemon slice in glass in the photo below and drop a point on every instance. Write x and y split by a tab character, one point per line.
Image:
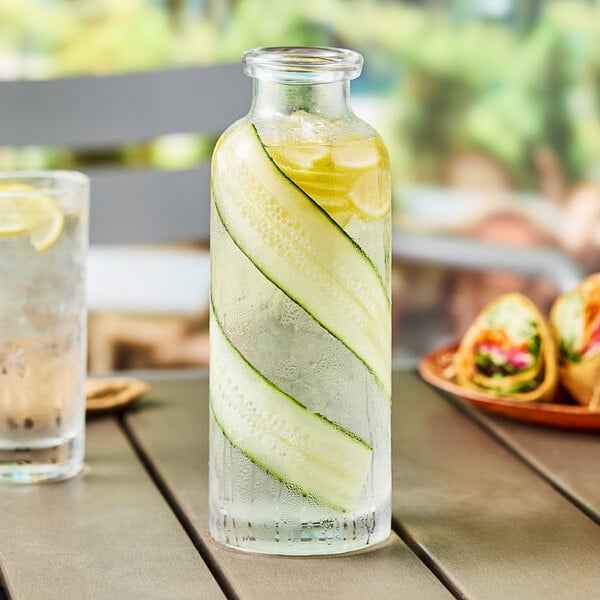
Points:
359	155
346	180
369	198
301	156
33	214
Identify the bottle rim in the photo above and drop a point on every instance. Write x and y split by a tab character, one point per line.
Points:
302	65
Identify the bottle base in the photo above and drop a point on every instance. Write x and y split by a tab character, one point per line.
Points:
332	536
45	464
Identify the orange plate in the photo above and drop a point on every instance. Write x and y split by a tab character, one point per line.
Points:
565	413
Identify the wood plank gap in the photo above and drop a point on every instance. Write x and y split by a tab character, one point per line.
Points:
435	568
185	522
4	593
530	463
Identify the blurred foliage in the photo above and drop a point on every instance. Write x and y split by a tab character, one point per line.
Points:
510	85
507	88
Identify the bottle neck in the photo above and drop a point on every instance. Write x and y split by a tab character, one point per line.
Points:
327	100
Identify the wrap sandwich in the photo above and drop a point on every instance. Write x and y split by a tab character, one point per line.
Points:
509	352
575	319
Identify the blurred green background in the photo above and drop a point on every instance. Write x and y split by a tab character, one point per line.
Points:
517	81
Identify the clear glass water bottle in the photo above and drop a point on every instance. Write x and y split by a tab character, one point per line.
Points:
300	367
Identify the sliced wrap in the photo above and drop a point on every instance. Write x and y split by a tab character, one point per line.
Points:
575	319
509	351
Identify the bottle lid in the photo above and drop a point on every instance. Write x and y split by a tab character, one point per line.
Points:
302	65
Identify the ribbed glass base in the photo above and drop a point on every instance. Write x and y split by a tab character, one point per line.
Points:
41	463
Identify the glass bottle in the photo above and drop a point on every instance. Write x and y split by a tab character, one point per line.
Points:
300	367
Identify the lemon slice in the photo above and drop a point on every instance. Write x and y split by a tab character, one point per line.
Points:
370	195
11	222
37	215
15	186
326	178
301	156
358	155
346	180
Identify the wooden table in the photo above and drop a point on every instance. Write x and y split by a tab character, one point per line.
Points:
483	508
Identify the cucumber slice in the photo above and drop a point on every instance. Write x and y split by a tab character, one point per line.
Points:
305	451
302	250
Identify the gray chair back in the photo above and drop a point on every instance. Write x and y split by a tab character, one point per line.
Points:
131	204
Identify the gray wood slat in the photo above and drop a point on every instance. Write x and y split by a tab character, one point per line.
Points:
130	204
493	526
106	534
570	459
171	428
90	112
136	205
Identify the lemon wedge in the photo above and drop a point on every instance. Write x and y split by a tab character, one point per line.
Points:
34	214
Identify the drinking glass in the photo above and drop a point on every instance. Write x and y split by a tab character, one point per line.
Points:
43	244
